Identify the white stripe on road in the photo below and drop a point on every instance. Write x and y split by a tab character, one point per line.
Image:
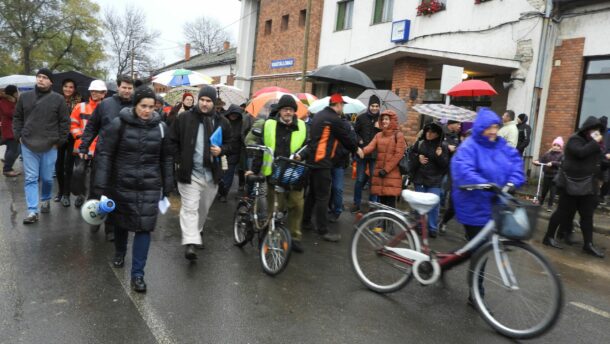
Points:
157	327
591	309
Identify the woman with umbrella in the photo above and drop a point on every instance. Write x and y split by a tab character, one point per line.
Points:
65	159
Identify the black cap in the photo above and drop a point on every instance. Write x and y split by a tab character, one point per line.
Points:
47	72
207	91
10	90
141	93
287	101
374	100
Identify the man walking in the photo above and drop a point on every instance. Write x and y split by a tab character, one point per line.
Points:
102	116
327	131
41	123
199	169
525	132
366	128
509	129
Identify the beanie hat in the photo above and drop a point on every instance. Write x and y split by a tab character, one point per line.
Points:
207	91
45	71
450	122
186	94
558	141
141	93
159	99
523	118
374	100
287	101
10	90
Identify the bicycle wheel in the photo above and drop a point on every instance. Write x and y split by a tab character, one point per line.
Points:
528	308
379	272
242	226
275	250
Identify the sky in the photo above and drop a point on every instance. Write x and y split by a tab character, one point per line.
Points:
168	17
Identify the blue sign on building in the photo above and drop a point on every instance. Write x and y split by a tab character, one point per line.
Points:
282	63
400	31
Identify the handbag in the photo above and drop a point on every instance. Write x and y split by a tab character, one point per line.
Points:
582	186
403	164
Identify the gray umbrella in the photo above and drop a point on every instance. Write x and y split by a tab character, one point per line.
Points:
342	74
389	101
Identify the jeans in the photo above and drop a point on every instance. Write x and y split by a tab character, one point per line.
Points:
336	201
361	166
38	166
432	214
318	198
227	180
12	152
140	246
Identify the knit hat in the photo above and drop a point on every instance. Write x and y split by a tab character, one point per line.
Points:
374	100
141	93
186	94
207	91
47	72
558	141
159	99
450	122
287	101
10	90
523	118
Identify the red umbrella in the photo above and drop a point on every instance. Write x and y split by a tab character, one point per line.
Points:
270	89
472	88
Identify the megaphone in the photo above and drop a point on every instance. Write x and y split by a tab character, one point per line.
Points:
94	211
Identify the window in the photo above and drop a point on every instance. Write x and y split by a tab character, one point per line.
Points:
344	15
284	25
302	17
268	25
382	12
594	98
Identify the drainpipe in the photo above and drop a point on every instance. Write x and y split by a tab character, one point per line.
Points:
306	44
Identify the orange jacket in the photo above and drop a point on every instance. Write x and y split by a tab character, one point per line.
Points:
78	121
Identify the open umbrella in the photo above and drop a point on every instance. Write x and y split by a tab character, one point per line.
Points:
18	80
472	88
306	98
230	95
389	101
81	80
269	90
342	74
352	106
182	77
446	112
261	105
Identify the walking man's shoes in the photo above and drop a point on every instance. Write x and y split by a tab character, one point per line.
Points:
65	201
592	250
45	207
78	202
138	285
551	242
118	261
31	218
297	246
332	237
189	252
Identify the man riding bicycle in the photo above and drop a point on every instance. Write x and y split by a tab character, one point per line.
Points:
285	135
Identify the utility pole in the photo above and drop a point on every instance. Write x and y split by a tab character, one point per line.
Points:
306	45
132	63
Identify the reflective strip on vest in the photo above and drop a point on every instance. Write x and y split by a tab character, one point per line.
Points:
297	139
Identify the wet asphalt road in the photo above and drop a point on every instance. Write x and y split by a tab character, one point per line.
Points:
57	286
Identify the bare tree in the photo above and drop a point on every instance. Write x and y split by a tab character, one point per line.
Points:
131	42
206	35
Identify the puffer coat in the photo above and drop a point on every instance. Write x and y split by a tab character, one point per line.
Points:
134	167
390	147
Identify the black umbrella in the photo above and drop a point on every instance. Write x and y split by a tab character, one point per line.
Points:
82	82
342	74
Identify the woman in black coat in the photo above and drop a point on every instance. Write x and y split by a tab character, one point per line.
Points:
134	168
582	159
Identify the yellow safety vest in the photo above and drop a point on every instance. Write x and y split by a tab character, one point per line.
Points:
297	139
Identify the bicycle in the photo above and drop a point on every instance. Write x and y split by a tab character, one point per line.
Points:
504	271
275	241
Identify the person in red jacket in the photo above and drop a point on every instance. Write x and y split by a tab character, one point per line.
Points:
7	109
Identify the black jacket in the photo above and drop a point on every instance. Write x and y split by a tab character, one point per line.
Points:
342	155
328	130
41	120
102	116
237	130
582	154
183	135
555	158
366	130
134	167
430	174
525	132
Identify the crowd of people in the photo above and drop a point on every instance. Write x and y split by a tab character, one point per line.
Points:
136	153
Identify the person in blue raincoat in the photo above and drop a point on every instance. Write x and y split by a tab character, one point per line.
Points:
483	158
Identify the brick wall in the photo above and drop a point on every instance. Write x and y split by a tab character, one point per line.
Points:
287	44
410	73
564	92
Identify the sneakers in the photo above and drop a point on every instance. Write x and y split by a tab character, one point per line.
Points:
222	199
65	201
332	237
333	217
189	252
138	285
118	261
297	247
443	228
45	207
354	209
79	201
31	218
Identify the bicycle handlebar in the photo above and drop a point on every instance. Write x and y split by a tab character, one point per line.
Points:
485	186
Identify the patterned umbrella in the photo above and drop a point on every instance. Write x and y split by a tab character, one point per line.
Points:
389	101
352	106
269	90
261	105
306	98
446	112
182	77
230	95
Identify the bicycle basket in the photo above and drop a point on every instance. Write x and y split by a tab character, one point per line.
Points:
516	221
289	174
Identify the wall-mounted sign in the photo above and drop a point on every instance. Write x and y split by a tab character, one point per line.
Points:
452	76
400	31
282	63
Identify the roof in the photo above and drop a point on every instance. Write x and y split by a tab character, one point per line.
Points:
204	60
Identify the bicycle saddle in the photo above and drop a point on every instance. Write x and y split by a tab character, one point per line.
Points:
254	178
422	202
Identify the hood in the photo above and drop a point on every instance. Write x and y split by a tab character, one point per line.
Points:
393	127
128	115
485	119
591	123
9	98
234	109
435	127
523	117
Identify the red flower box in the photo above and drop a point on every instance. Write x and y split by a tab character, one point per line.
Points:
429	7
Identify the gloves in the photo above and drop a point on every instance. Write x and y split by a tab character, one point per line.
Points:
382	173
509	188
